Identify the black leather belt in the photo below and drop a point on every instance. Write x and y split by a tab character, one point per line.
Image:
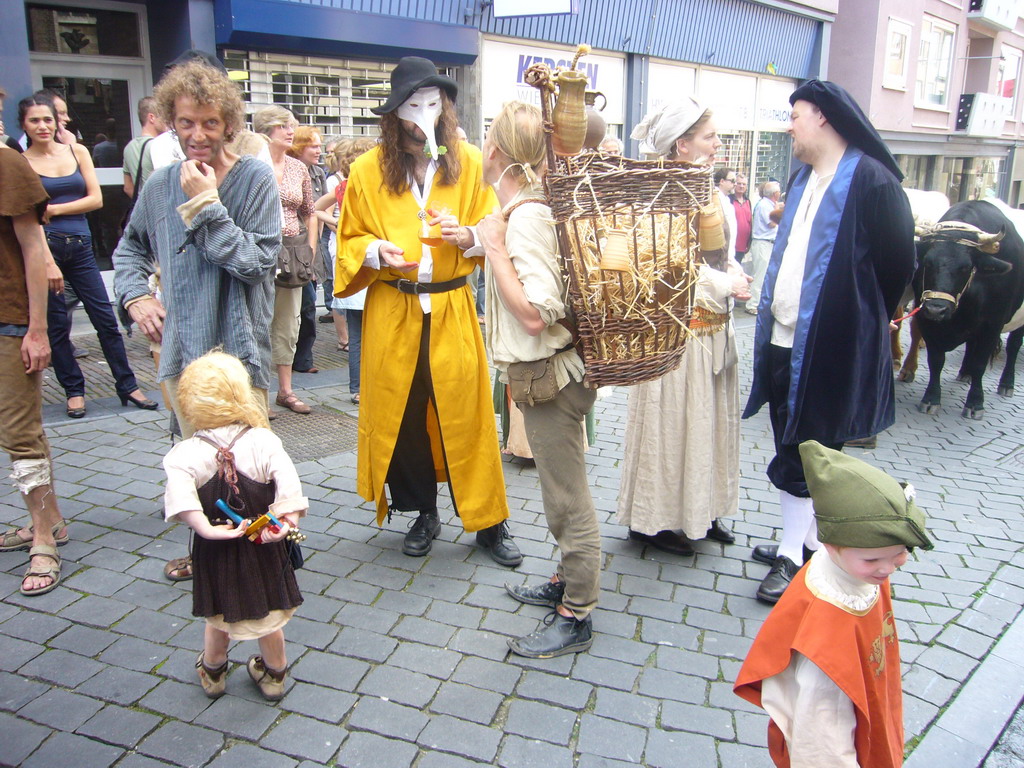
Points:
413	287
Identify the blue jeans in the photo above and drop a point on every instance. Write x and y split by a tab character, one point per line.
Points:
73	254
354	319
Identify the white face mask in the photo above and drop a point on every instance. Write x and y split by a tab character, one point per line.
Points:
423	108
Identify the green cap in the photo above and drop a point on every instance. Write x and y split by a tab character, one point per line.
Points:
858	505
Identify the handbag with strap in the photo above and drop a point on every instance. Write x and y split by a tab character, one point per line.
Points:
296	263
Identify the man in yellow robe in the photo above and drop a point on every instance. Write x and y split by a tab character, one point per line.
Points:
425	414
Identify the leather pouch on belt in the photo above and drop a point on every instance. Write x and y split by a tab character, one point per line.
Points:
532	382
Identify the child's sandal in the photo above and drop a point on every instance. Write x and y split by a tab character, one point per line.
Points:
213	679
270	682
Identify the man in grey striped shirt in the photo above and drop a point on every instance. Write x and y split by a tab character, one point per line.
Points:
212	224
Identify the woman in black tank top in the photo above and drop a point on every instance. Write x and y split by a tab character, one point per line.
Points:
67	174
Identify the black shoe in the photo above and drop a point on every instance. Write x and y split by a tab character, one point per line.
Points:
548	593
781	574
498	542
329	318
864	442
718	532
667	541
766	553
561	635
421	535
145	403
75	413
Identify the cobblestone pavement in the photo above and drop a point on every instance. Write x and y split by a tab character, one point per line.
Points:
401	662
1009	752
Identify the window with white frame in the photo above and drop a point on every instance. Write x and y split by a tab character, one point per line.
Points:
897	48
1008	84
934	63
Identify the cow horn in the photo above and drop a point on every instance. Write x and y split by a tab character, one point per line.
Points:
989	242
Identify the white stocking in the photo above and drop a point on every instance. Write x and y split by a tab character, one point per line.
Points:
797	526
811	541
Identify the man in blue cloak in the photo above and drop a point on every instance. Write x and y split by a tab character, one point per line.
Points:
843	255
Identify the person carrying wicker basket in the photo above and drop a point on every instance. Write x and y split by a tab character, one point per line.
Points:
532	347
681	458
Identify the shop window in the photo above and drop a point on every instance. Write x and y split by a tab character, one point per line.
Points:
970	178
334	95
83	31
897	47
735	151
772	159
917	170
1008	78
934	64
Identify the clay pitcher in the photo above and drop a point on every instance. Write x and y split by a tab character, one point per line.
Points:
710	233
596	126
615	254
569	116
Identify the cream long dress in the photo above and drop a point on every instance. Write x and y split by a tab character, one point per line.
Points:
681	463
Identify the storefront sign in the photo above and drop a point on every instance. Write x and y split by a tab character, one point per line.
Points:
668	82
505	65
730	97
505	8
773	104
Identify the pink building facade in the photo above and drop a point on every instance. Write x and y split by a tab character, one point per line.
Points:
941	80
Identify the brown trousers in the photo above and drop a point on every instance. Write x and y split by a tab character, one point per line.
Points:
556	435
21	404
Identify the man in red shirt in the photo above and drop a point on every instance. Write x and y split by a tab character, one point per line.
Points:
741	204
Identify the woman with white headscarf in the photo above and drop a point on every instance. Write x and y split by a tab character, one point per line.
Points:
681	466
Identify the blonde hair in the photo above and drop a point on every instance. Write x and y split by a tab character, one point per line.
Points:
215	390
346	151
269	118
304	136
205	86
518	133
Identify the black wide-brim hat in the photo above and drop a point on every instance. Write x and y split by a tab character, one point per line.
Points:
411	74
848	120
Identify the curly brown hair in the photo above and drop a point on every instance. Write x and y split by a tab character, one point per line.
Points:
396	165
204	85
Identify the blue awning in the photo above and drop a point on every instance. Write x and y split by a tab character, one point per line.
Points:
295	27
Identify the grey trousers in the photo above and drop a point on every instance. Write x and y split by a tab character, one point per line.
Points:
555	433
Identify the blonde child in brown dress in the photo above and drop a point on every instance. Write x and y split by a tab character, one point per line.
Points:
246	590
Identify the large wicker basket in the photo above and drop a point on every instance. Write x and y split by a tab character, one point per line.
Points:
633	322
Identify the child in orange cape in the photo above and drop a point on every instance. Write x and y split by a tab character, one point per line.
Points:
826	663
245	589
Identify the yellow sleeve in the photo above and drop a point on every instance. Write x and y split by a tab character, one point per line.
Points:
355	232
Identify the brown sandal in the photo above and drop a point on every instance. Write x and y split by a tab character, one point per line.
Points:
179	569
12	542
51	572
270	682
292	403
212	678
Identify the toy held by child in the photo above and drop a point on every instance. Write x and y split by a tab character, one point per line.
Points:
826	663
244	586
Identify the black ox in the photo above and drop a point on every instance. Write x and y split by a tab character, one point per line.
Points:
969	283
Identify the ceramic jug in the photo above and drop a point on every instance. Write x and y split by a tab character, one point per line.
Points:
596	126
569	115
615	254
